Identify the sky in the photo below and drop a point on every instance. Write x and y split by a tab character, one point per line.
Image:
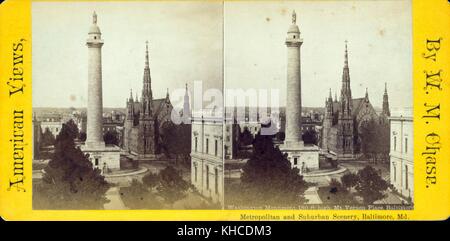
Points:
379	39
235	44
185	45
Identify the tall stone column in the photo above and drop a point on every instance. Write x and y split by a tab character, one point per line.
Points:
293	42
94	135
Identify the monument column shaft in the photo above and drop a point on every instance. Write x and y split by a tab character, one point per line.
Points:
94	135
293	131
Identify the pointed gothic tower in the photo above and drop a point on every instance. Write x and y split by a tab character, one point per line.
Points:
146	118
386	111
327	121
186	106
129	122
147	95
130	107
345	138
346	92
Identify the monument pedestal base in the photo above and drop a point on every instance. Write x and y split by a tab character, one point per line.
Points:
106	158
303	157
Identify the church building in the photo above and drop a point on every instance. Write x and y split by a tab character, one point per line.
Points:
145	119
343	119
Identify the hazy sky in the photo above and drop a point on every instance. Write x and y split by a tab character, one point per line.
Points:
185	45
379	41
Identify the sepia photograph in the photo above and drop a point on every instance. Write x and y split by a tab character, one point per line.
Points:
320	100
113	86
222	105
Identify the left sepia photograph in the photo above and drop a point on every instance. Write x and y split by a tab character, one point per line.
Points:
127	105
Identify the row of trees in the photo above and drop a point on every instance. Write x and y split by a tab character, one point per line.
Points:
308	137
48	139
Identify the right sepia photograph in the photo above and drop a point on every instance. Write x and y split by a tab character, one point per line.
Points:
318	105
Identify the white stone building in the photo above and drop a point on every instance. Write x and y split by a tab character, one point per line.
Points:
402	153
207	157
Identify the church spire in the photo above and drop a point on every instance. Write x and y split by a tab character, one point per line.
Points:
147	96
386	110
346	55
130	106
367	94
346	92
147	65
186	105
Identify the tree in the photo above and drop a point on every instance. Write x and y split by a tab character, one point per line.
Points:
176	141
370	185
70	181
384	140
335	193
137	196
246	138
375	140
151	180
168	184
349	180
111	137
280	136
72	129
47	138
369	142
310	137
268	178
82	136
171	186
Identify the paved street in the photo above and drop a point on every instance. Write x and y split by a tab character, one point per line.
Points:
312	196
115	202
